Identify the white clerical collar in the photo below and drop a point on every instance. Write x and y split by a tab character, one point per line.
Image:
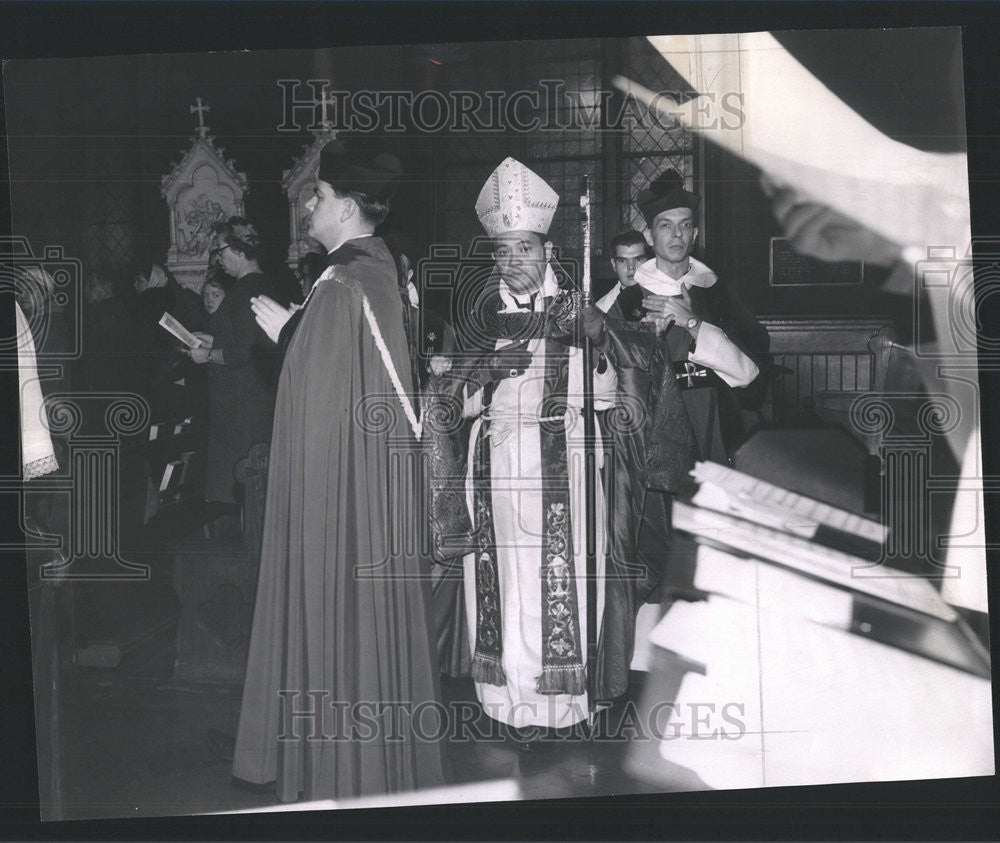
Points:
651	278
549	289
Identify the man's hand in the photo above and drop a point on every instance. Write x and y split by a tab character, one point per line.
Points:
667	310
819	231
206	339
592	321
200	354
270	315
438	365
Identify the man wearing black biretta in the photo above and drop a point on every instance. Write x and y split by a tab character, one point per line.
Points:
342	614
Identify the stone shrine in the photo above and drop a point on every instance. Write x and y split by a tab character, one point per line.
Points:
203	189
298	182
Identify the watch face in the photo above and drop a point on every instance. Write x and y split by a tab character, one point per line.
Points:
693	322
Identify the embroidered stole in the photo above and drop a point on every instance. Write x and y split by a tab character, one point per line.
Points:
563	670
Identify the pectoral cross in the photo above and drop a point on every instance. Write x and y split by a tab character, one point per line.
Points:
201	109
692	371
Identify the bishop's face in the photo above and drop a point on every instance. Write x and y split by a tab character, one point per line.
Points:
672	235
326	215
521	257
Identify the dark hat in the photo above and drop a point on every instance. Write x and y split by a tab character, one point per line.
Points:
371	172
665	193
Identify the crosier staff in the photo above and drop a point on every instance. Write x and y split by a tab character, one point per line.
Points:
590	459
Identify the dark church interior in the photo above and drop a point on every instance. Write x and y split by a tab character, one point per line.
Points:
140	652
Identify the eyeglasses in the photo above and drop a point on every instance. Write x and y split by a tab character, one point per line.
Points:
214	253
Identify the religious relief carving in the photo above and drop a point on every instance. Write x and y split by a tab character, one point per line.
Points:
203	189
194	224
298	186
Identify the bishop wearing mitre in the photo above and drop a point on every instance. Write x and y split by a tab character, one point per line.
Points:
521	385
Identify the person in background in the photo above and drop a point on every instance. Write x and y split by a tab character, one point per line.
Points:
108	360
237	352
158	290
628	251
160	367
310	267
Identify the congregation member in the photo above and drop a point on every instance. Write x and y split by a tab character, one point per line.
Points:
158	367
341	621
237	352
309	267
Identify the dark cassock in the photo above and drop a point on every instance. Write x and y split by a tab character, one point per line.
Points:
432	344
651	446
719	372
341	620
240	398
525	586
160	366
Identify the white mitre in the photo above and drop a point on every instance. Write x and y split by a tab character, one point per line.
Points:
516	199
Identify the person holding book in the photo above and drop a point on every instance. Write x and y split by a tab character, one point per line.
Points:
236	350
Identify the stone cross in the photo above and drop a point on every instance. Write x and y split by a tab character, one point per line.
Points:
201	109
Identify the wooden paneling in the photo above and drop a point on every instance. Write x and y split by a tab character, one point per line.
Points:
824	355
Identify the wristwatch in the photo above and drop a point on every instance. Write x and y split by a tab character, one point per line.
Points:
693	323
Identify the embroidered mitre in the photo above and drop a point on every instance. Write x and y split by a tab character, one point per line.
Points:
516	199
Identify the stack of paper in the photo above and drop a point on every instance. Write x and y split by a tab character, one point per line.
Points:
811	559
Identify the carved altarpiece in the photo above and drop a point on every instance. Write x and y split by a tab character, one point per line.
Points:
203	189
298	184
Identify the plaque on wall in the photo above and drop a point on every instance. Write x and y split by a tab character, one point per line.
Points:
791	269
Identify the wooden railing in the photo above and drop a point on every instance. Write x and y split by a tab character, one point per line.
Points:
823	356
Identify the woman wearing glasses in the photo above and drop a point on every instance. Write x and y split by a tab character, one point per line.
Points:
239	357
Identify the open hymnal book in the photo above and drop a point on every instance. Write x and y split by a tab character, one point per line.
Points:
178	330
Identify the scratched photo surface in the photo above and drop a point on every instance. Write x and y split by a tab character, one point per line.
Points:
744	549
